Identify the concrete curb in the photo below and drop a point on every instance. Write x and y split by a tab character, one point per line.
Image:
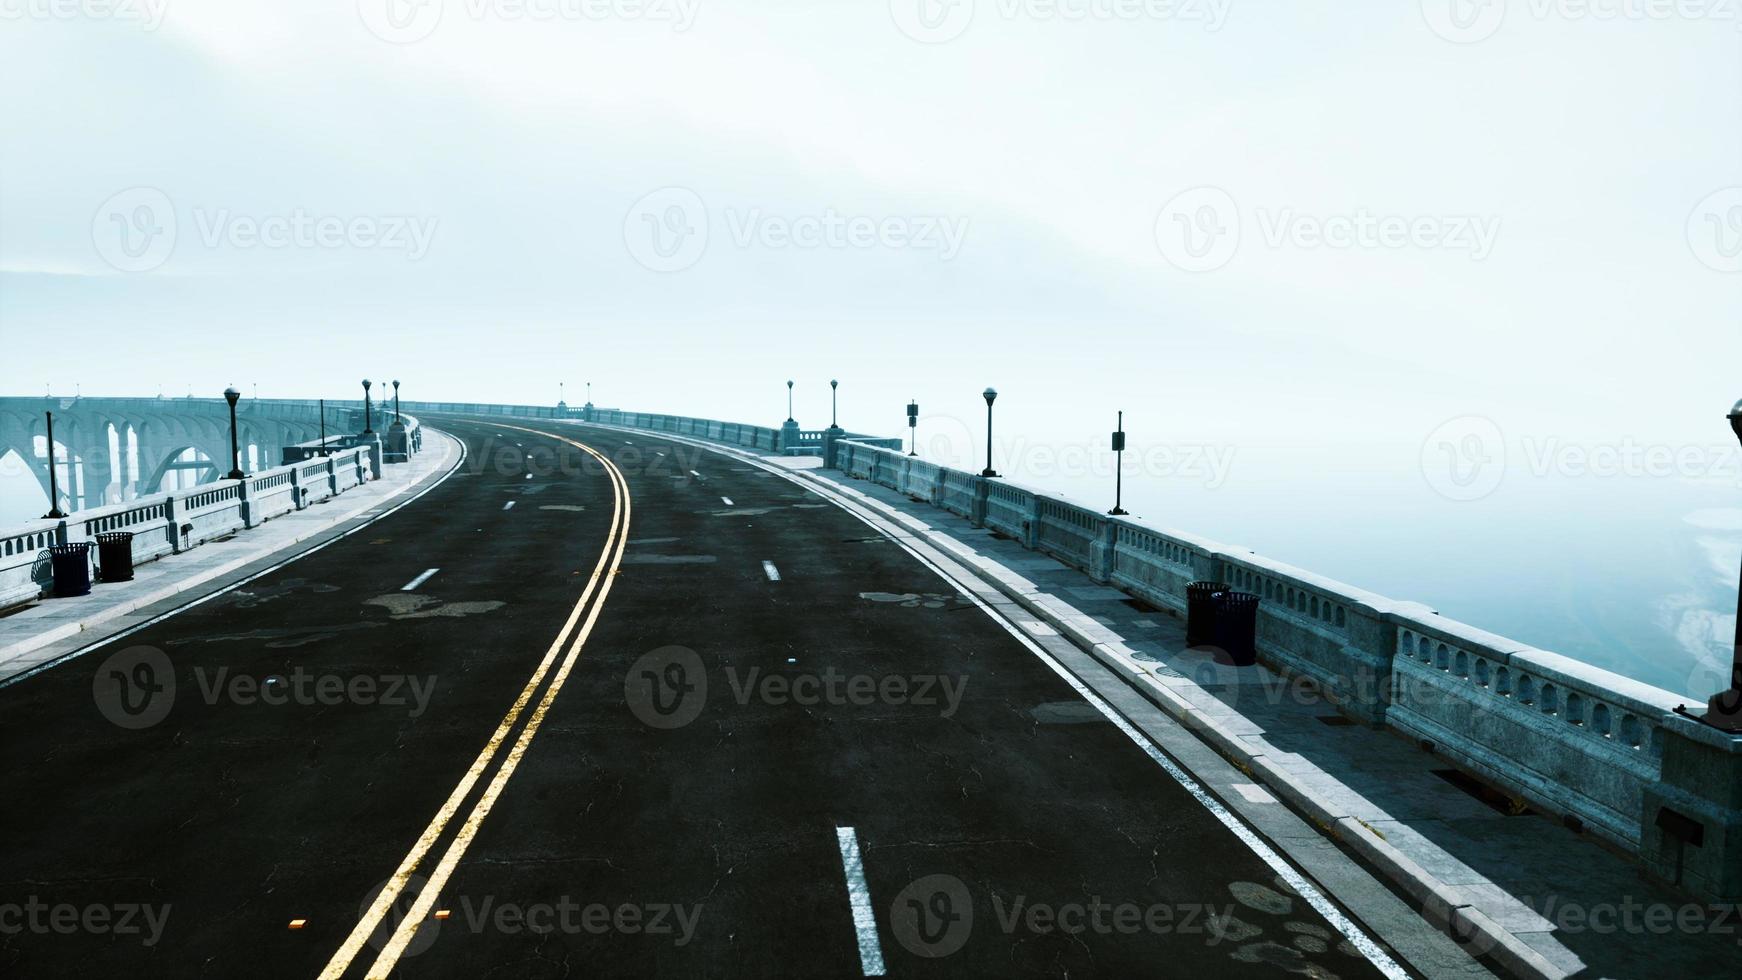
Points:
98	617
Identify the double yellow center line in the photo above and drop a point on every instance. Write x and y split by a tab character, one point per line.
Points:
591	601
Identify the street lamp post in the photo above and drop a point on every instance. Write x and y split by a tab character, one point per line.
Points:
1119	468
230	395
991	396
368	429
913	428
323	427
396	404
789	401
54	511
1724	710
834	405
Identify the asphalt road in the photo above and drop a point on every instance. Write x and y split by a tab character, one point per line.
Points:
696	722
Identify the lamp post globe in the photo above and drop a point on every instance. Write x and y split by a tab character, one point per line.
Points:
231	395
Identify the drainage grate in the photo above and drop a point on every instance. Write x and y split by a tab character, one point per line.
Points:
1495	799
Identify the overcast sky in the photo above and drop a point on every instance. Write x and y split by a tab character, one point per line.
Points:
1369	234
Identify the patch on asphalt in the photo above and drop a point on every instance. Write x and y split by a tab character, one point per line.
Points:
743	512
636	559
635	542
249	598
1066	713
415	605
911	600
276	639
561	507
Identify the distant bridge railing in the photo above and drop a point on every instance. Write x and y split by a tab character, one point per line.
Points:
171	523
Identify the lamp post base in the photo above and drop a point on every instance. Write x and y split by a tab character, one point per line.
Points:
988	471
1119	512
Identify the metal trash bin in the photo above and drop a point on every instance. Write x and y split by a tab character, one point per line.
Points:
1201	612
1237	628
115	556
72	569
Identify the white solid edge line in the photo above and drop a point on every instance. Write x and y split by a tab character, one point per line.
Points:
1356	936
772	572
859	897
428	573
160	617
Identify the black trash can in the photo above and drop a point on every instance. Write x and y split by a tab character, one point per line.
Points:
1237	628
1201	612
115	556
72	569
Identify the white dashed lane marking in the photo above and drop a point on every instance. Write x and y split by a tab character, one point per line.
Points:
414	583
508	506
772	572
726	500
859	897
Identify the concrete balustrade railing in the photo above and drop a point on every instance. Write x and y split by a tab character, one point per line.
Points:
171	523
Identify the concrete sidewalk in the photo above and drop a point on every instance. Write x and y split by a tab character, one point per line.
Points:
50	628
1523	890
